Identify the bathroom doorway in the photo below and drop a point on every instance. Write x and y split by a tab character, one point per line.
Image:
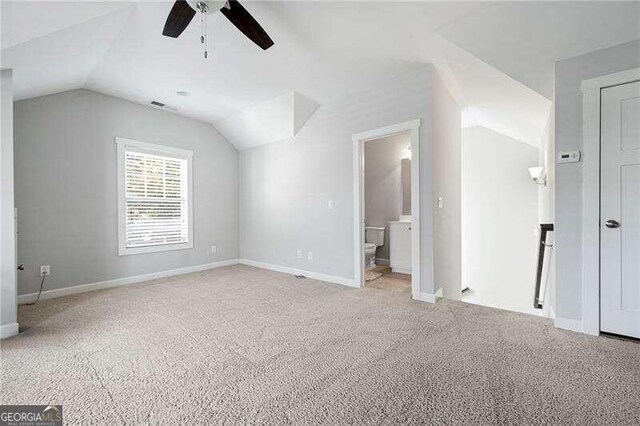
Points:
387	237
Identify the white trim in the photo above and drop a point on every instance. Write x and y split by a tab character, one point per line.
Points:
614	79
152	148
568	324
162	150
425	297
413	129
591	89
9	330
401	270
83	288
384	132
293	271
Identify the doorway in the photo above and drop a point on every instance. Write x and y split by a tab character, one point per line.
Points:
410	132
611	223
500	207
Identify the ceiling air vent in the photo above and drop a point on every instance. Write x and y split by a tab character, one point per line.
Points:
158	104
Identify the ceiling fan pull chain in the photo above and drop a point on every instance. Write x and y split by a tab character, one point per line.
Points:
206	39
203	35
201	27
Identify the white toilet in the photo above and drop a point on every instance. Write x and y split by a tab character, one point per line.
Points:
374	238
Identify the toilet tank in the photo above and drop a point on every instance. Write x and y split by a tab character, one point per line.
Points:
374	235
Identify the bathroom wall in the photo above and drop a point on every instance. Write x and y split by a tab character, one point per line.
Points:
405	178
383	189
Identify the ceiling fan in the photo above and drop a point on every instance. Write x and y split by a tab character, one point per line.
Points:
183	12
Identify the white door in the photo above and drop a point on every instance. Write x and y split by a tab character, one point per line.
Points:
620	210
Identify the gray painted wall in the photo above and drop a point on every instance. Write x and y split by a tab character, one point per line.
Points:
65	174
383	191
8	313
285	186
568	191
447	183
499	217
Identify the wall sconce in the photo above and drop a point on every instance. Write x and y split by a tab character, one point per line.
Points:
539	175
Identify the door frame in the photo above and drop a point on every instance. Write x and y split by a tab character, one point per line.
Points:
591	93
411	128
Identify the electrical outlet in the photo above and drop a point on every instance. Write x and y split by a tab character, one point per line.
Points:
299	254
214	249
331	205
310	255
45	270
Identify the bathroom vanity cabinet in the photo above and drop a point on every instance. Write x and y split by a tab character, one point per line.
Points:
400	246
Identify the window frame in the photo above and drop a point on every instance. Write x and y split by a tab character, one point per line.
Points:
124	145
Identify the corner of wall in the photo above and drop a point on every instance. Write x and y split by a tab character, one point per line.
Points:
446	165
8	278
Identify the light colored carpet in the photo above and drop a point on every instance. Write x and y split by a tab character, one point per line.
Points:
245	345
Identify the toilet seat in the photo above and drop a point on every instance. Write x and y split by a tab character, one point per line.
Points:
369	246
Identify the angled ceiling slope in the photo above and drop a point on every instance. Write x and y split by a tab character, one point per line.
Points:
64	59
22	21
274	120
524	39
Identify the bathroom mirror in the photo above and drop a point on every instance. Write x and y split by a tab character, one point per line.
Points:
405	173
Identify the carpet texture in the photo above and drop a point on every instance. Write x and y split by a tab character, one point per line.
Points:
245	345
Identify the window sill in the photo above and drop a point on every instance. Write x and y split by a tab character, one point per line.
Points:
124	251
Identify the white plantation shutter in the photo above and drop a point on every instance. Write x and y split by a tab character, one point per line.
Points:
155	196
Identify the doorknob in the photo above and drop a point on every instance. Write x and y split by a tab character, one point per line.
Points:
612	224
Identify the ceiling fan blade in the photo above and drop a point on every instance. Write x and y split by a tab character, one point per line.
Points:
179	17
242	19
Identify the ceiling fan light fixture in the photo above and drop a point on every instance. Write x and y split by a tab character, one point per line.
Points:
207	6
183	11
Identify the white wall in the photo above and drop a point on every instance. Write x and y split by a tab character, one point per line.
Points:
568	189
8	314
546	209
499	218
446	160
285	186
65	174
383	183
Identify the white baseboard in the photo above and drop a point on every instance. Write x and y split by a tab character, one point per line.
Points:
568	324
381	261
8	330
65	291
293	271
401	270
425	297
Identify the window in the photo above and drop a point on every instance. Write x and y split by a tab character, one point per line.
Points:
154	198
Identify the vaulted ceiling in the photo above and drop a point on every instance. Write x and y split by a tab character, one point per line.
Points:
496	57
